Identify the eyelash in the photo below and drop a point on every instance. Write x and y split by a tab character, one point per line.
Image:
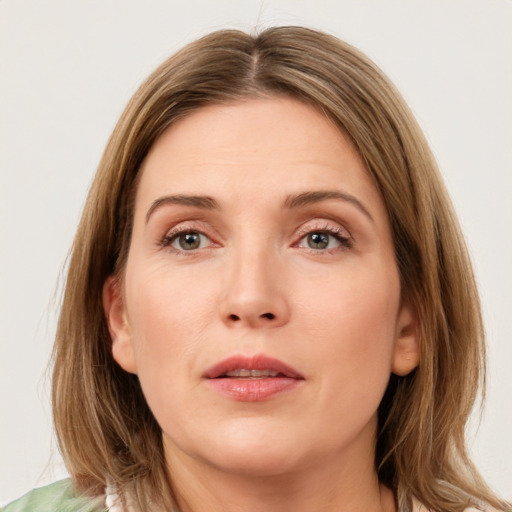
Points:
346	242
168	239
339	234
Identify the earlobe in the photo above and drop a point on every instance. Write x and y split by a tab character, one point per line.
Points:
119	329
406	355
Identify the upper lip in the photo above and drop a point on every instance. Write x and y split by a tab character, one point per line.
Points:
255	362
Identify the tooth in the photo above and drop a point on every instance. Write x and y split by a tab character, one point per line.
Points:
239	373
243	373
263	373
255	374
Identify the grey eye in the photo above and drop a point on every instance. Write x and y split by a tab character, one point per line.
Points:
318	240
189	241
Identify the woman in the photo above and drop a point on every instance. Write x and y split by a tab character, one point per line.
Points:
269	303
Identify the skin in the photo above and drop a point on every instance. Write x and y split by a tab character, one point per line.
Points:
255	285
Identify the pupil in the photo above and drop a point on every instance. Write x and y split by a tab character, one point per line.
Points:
318	240
189	241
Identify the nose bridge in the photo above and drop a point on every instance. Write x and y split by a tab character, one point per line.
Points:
253	295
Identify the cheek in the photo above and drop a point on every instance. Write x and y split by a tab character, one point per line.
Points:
358	304
353	323
168	318
354	352
168	321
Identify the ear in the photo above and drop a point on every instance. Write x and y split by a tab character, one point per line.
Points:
406	354
118	326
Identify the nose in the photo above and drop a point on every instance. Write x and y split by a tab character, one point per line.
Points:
255	292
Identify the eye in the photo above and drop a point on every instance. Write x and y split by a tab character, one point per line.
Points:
187	241
319	240
325	239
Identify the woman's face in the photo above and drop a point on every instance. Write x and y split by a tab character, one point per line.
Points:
260	304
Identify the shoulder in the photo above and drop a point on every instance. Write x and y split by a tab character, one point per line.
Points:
57	497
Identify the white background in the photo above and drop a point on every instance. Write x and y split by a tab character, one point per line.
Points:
68	67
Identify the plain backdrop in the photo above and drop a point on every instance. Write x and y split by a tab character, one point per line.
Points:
68	67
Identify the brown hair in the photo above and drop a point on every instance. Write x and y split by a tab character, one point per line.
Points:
104	426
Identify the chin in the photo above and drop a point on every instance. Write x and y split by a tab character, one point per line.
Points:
270	462
257	452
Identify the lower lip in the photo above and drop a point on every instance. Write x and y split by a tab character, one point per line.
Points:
253	390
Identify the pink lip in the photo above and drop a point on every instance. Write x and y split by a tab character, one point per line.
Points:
252	389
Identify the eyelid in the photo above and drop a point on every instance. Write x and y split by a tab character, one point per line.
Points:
176	239
323	225
186	226
332	228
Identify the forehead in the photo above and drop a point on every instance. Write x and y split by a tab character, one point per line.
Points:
275	145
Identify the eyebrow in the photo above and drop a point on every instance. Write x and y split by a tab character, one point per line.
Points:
203	202
291	202
308	198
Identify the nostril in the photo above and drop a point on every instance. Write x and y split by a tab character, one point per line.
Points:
235	318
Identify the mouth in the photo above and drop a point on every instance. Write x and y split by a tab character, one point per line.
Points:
242	373
252	367
252	379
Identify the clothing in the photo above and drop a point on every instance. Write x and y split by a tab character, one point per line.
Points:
57	497
61	497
